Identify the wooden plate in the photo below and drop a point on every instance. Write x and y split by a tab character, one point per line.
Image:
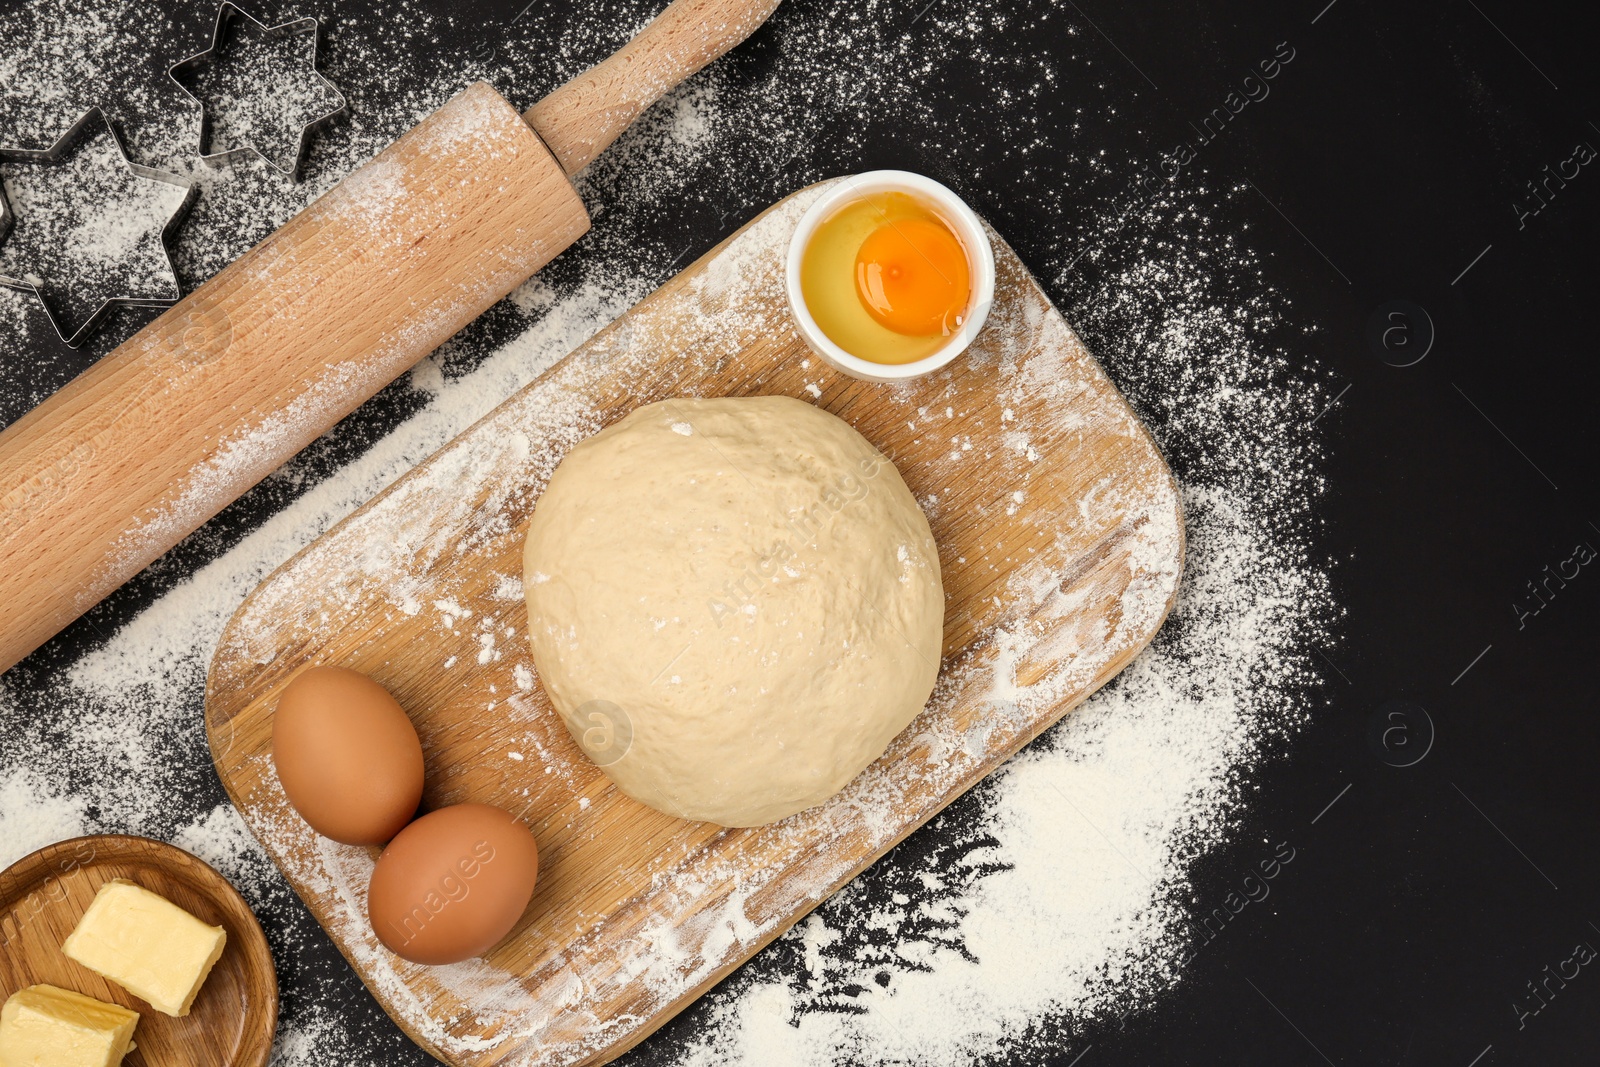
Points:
42	897
1060	535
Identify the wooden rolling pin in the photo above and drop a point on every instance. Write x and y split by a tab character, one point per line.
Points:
175	424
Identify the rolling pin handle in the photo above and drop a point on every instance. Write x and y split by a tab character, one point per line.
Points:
581	118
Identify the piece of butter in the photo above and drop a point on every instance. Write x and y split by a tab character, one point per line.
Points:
147	945
43	1026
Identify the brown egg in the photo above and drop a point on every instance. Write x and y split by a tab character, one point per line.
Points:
347	756
453	884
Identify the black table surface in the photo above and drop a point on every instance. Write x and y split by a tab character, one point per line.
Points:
1385	181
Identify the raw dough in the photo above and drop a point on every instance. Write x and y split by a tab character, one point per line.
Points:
734	604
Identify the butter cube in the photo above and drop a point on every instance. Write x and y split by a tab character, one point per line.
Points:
147	945
43	1026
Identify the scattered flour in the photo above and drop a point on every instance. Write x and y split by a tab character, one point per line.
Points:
1054	892
35	812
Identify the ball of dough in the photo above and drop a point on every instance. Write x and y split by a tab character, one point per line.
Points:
734	605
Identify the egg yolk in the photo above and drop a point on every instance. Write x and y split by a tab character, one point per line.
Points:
911	275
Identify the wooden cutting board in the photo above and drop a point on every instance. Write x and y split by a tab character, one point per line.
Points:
1061	541
44	895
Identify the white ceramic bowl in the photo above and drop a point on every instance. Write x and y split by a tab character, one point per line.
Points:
968	230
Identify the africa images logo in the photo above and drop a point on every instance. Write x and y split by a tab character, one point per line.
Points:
452	888
604	730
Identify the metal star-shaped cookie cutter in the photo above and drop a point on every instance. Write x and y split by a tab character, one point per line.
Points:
62	149
227	15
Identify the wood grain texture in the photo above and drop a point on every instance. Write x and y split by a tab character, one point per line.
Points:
43	896
586	114
157	437
1060	536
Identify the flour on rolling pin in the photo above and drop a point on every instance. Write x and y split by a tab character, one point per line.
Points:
122	463
216	393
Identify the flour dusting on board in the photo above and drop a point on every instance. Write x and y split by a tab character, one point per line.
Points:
704	909
1053	893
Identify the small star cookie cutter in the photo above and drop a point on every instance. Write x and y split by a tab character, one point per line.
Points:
228	15
60	150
